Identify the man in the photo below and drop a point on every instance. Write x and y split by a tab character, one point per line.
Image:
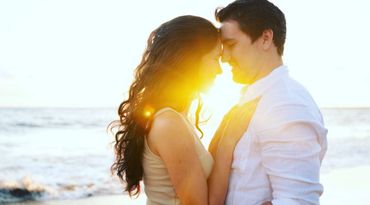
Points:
278	159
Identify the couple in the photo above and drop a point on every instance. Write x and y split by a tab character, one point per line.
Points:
267	150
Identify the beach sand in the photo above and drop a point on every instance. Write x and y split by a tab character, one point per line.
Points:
342	186
96	200
347	186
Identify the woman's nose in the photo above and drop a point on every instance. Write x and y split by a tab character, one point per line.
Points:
225	57
218	69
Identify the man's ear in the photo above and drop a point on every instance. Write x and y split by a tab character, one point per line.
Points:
267	39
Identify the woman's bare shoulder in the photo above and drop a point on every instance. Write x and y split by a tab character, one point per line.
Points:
169	128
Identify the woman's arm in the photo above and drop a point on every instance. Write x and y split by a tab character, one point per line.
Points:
227	136
173	141
219	178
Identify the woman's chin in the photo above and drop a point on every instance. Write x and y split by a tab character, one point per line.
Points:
205	88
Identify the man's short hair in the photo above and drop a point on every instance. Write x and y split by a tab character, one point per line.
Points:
255	16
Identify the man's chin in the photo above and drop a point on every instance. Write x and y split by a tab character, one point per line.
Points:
238	79
236	76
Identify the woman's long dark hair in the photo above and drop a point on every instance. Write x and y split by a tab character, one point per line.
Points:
166	76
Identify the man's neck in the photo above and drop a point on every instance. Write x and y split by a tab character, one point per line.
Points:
267	67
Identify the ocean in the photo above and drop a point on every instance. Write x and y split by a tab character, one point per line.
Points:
66	153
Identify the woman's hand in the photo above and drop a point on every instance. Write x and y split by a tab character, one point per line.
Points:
232	128
213	146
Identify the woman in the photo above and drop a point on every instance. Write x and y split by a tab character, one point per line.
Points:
155	142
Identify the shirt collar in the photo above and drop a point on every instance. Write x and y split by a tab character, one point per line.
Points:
251	92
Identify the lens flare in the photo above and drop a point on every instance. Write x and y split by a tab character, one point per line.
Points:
148	111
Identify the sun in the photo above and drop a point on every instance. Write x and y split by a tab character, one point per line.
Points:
218	100
224	93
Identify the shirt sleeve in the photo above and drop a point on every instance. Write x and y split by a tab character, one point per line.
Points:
291	154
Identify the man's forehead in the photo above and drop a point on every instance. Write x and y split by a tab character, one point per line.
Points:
229	29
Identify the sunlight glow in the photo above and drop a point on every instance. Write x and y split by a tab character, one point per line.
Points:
217	101
223	94
148	111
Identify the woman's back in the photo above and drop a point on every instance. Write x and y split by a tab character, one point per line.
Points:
157	182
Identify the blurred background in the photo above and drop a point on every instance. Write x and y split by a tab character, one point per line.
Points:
65	66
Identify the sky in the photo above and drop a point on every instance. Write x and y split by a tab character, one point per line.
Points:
82	53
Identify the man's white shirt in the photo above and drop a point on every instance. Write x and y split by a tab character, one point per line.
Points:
279	157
